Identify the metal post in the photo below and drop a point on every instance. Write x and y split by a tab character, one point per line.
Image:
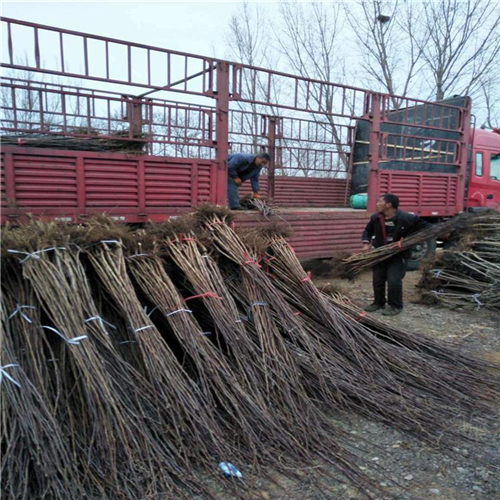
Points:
222	130
351	131
271	149
465	131
134	116
374	153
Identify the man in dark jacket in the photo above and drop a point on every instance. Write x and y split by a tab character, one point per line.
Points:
241	167
389	224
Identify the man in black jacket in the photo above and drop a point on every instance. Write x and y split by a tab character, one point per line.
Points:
389	224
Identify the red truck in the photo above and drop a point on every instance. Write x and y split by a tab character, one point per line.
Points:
108	137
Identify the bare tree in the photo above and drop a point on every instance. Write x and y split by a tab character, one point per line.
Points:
251	42
491	108
462	44
439	48
248	43
390	41
309	38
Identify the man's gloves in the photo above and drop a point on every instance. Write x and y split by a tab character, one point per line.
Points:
238	181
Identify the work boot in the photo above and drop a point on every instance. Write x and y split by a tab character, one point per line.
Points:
392	311
373	307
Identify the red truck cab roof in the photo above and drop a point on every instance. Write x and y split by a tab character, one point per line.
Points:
487	139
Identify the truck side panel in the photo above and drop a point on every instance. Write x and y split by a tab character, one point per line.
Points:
318	234
305	191
72	185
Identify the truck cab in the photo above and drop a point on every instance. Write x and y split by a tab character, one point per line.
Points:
484	177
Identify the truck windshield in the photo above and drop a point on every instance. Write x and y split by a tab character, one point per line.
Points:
495	167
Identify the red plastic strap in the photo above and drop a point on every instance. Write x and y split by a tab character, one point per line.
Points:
251	262
203	295
362	315
384	229
269	259
296	313
186	239
308	277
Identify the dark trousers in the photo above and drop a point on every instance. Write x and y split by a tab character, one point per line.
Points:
392	272
233	194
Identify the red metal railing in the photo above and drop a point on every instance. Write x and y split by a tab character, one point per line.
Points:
306	124
105	59
165	128
303	94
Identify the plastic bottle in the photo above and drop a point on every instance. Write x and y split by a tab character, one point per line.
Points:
230	470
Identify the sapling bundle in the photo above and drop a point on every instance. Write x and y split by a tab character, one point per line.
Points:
467	275
354	265
106	429
288	383
32	436
189	419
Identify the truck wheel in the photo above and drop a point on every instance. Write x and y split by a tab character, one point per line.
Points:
419	253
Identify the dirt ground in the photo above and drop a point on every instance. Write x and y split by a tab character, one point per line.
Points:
471	471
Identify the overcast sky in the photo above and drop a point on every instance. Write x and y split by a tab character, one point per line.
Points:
195	27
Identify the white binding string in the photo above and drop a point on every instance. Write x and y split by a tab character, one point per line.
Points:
476	299
116	242
178	311
3	373
249	310
73	341
143	328
101	321
33	255
18	310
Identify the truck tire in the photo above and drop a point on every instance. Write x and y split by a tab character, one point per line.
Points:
419	253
